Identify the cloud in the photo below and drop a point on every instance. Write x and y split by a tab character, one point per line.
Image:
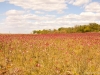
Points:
78	2
39	12
88	16
2	0
81	2
93	7
15	18
14	12
23	22
46	5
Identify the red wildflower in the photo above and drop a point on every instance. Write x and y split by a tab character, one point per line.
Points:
47	44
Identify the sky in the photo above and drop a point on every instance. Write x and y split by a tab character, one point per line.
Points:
24	16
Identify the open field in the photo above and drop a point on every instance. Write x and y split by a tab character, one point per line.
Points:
50	54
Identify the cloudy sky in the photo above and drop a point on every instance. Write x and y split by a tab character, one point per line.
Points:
24	16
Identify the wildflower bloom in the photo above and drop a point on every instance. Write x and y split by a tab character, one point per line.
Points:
47	44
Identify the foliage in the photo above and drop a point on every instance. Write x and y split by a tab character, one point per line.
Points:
92	27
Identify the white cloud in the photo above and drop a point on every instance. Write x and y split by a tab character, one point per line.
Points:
78	2
35	17
23	22
15	18
39	12
93	7
72	17
2	0
88	16
46	5
14	12
81	2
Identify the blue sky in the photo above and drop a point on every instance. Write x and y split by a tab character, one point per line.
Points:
24	16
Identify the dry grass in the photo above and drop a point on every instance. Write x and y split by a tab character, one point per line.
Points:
57	54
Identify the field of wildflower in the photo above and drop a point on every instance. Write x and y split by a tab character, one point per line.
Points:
50	54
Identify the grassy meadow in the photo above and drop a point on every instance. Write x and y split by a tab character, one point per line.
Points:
50	54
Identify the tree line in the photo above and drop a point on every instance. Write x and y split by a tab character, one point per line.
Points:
91	27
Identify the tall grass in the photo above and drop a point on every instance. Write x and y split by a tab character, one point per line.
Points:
53	54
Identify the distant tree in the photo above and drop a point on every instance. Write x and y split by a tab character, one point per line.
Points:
91	27
87	29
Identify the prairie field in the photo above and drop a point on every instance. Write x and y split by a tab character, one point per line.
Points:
50	54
